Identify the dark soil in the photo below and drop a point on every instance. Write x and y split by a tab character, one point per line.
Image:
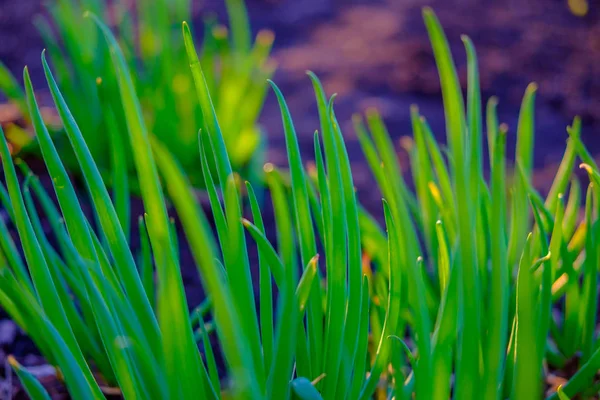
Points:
376	53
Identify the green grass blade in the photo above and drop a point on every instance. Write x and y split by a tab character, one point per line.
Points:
445	333
335	249
306	282
215	204
474	117
145	264
422	328
524	161
527	371
235	345
581	380
354	261
492	125
208	111
239	25
12	90
178	345
422	169
74	218
561	180
266	290
393	309
495	350
287	307
467	379
441	169
589	303
110	224
238	264
299	190
360	366
525	130
210	359
561	394
32	385
66	282
548	277
9	250
42	279
572	210
286	243
304	226
268	252
303	389
118	162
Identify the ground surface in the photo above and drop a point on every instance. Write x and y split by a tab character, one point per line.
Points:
376	53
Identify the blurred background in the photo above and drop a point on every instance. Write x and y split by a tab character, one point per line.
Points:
376	53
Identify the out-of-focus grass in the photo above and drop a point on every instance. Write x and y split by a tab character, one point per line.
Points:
236	66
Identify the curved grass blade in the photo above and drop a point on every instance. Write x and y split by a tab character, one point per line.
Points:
304	226
561	180
42	279
9	250
75	377
238	265
468	376
354	260
66	281
299	190
178	345
524	161
32	385
111	227
335	250
234	345
305	284
211	124
286	344
267	251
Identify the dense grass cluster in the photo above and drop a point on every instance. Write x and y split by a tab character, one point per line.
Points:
474	289
236	68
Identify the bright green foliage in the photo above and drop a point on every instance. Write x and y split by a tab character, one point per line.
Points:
474	290
236	69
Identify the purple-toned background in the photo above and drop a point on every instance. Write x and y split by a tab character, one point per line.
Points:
376	53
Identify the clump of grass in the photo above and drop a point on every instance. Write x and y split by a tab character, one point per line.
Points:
474	289
236	67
